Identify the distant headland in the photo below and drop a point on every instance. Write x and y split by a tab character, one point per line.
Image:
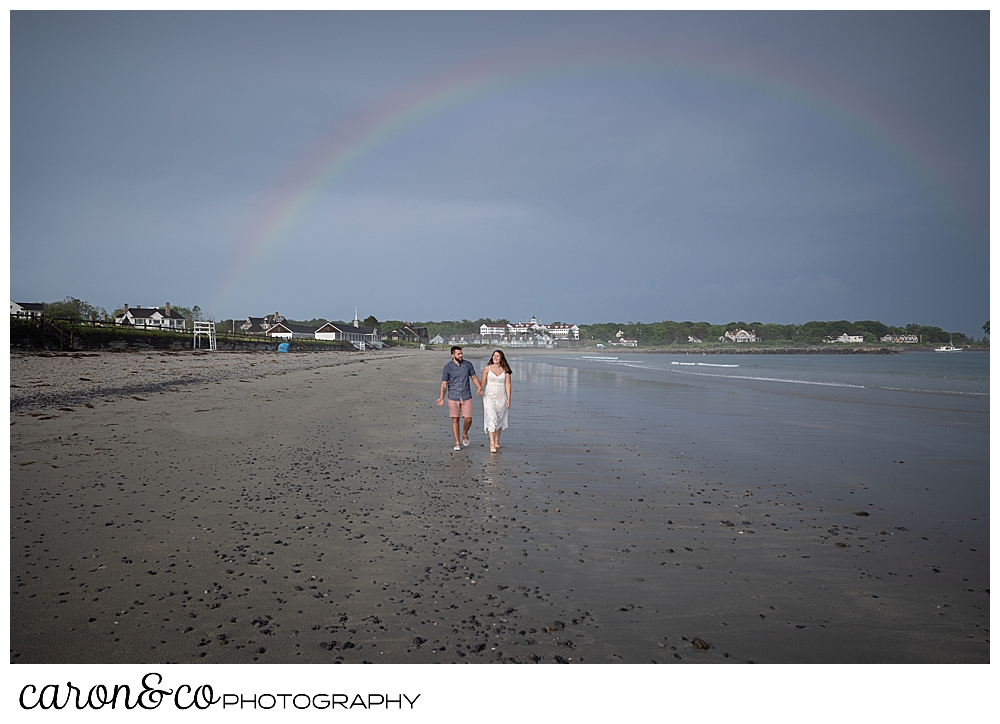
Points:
832	337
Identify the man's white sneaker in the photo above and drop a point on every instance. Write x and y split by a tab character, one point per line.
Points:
458	447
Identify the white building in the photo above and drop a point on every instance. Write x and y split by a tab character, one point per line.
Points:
534	340
901	339
26	310
288	330
437	339
355	334
522	329
493	330
624	342
739	335
163	318
528	334
850	338
563	331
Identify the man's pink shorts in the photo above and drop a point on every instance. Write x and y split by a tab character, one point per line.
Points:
460	409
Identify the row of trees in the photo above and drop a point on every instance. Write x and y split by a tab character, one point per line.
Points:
77	310
667	332
228	325
663	333
448	328
652	334
464	327
73	309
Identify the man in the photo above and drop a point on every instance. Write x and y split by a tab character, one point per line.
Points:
455	379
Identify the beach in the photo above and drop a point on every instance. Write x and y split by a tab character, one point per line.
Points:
308	508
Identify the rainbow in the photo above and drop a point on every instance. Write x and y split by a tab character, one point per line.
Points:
350	142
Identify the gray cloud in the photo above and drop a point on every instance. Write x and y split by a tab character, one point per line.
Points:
147	143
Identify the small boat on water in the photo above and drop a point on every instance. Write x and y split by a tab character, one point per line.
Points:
948	348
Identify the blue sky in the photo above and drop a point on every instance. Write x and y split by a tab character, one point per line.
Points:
578	166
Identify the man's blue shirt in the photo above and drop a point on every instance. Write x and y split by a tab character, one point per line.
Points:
457	377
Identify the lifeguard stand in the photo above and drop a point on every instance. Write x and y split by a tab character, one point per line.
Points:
204	329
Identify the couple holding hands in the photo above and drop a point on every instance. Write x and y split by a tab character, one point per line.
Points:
494	389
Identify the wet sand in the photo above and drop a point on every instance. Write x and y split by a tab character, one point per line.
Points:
237	508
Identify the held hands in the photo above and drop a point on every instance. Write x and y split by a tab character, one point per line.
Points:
480	391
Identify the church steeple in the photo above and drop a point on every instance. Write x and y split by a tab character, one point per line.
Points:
356	322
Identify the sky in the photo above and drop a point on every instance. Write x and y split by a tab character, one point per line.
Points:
582	167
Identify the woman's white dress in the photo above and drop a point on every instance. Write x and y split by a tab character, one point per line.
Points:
495	402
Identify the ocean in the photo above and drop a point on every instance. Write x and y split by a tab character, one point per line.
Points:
963	374
851	477
833	417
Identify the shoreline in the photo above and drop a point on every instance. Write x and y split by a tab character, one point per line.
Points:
756	350
710	350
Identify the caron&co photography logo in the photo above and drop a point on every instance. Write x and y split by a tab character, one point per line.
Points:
153	693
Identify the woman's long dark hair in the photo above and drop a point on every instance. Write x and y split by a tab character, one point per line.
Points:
503	361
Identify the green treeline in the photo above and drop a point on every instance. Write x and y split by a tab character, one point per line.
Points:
72	309
446	329
653	334
664	333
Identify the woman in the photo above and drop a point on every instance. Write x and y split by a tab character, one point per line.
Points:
496	397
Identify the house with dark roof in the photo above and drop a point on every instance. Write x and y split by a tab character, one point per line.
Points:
408	333
255	325
260	325
290	330
359	336
26	310
163	318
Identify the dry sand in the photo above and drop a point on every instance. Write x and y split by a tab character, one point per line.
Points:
241	507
